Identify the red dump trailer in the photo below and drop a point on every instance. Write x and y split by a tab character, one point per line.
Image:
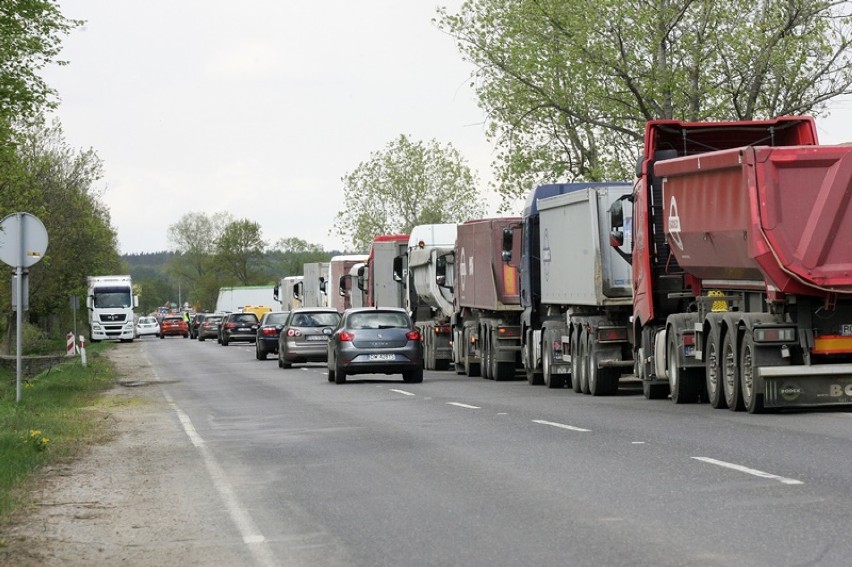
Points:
742	265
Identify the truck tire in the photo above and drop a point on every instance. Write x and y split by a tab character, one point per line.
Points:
442	363
576	362
683	382
486	355
650	389
602	381
713	368
551	380
731	372
585	361
752	399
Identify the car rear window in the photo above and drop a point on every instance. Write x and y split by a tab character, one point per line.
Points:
276	319
245	318
378	320
321	319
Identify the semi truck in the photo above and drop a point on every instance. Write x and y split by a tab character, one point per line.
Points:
741	264
110	302
429	259
575	290
310	291
335	286
285	292
487	309
376	277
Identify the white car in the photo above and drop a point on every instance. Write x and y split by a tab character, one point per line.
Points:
147	326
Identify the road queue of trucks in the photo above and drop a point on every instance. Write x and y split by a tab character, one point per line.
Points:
726	278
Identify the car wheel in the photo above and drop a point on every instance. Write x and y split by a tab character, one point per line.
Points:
200	339
339	376
225	341
413	376
162	336
259	354
331	374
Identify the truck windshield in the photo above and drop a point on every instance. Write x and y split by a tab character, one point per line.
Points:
111	298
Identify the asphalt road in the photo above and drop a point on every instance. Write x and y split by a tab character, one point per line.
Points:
465	471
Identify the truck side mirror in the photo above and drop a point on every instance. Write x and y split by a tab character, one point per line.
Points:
639	161
362	278
323	286
508	242
297	291
616	222
89	302
275	292
135	301
341	288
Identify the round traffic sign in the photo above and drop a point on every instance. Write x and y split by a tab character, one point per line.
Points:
23	240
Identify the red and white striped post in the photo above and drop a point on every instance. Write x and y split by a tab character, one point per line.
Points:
70	347
83	351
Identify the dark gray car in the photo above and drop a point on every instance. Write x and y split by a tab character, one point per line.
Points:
375	341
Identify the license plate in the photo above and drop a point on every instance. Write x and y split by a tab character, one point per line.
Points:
846	330
382	357
316	338
688	350
244	329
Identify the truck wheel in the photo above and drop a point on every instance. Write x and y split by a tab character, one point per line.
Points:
731	372
551	380
576	363
442	364
650	389
584	362
752	399
486	355
713	369
683	382
602	381
162	336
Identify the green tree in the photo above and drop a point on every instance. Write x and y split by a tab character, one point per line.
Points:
193	239
406	184
240	251
287	256
58	185
31	32
568	84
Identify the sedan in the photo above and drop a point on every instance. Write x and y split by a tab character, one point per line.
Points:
305	336
174	326
375	341
238	327
267	333
209	328
147	326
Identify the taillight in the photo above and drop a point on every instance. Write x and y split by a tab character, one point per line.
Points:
231	325
346	336
413	335
294	333
611	334
441	329
269	331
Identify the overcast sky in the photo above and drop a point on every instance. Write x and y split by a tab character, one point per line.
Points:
259	107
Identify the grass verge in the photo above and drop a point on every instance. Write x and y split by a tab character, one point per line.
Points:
50	423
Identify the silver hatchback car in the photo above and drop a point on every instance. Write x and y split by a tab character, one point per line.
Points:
305	335
373	340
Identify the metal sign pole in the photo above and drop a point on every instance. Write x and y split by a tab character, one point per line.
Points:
19	270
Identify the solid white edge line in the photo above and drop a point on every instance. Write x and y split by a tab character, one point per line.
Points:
403	392
457	404
747	470
561	425
246	526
